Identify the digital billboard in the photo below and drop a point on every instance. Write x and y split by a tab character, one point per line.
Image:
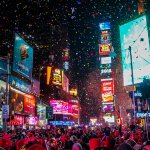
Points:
20	84
65	84
41	111
29	104
105	60
135	34
107	90
61	107
104	26
54	76
104	49
22	57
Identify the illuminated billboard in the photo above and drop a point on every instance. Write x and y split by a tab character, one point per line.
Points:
104	49
105	60
107	90
105	37
22	57
109	118
135	34
65	84
54	76
61	107
104	26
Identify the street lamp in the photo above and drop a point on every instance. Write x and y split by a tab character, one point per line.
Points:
132	77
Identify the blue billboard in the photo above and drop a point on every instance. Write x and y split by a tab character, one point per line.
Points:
104	26
135	34
20	84
23	57
3	69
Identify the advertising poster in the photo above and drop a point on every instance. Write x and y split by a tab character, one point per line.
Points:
35	89
20	84
66	54
23	57
57	76
104	26
3	69
105	37
107	107
41	111
54	76
59	106
18	104
66	84
107	90
29	104
31	120
18	120
104	49
135	34
2	89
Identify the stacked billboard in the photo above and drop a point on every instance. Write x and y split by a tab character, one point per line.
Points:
107	81
65	56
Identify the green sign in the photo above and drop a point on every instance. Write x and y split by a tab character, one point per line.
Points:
49	112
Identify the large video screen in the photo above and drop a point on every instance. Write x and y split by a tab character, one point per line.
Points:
135	34
23	57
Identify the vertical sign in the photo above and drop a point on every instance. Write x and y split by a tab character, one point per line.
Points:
49	112
5	111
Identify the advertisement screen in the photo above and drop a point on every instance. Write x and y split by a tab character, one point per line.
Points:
18	120
20	84
54	76
35	87
18	104
3	69
107	90
107	108
105	37
41	112
23	57
66	84
135	34
105	60
109	118
104	26
29	104
31	120
104	49
2	89
59	107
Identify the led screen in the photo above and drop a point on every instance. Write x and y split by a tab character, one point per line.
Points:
107	107
23	57
104	26
135	34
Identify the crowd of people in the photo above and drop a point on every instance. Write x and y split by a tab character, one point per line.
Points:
76	138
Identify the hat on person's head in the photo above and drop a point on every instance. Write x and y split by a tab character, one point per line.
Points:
77	146
125	146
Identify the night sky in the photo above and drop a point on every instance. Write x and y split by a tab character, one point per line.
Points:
51	25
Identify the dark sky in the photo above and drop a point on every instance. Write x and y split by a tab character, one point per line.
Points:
46	22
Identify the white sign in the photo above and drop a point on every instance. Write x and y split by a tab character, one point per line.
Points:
5	111
105	60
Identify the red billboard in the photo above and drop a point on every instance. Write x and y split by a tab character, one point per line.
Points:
104	49
29	104
107	89
65	83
